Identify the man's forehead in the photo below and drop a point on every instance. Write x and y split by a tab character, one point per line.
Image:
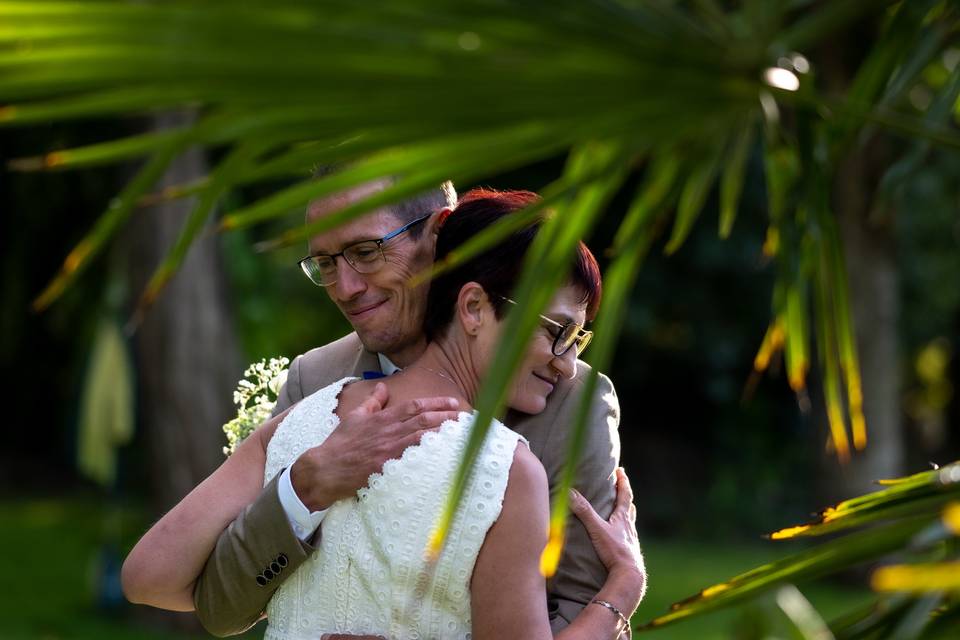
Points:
369	226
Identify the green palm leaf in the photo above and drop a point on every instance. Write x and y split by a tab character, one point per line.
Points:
805	565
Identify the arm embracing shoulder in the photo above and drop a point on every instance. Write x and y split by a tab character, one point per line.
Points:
581	574
507	588
161	569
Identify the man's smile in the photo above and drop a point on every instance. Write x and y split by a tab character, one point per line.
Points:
363	311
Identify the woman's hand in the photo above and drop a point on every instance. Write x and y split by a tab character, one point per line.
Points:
615	540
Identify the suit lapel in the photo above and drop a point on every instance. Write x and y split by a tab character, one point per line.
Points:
365	361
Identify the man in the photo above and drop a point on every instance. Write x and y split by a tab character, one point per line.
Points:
366	266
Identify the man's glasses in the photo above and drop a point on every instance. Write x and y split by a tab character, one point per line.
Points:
565	335
364	257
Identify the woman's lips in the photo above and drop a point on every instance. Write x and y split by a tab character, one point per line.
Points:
547	381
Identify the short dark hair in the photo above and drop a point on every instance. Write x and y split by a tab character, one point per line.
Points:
497	269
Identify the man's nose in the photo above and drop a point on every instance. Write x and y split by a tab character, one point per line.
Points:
349	284
566	365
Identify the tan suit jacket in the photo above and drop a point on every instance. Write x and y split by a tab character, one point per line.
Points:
229	598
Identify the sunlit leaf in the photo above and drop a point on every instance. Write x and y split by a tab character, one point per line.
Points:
631	244
828	557
835	276
917	578
772	342
797	335
922	493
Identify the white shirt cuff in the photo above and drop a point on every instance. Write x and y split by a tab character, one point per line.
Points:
303	521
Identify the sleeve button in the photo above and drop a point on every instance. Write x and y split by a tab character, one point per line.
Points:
261	581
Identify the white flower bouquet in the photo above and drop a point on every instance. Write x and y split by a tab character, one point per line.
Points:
255	397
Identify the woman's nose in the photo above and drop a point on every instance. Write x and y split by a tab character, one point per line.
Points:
566	365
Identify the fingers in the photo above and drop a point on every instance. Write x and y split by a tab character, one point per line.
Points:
375	402
381	395
582	508
425	420
624	492
413	408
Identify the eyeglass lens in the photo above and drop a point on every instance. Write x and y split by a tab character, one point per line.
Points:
365	257
569	335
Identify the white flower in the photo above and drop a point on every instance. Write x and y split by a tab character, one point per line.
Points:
263	389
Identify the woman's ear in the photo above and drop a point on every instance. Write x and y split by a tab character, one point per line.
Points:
472	308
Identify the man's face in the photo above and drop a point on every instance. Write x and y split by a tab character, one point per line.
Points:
385	312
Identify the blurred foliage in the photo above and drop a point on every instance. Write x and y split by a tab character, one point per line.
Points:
928	238
915	520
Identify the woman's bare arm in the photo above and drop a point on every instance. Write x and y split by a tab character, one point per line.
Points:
507	589
162	568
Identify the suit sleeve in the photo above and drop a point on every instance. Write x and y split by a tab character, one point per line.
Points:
227	596
581	574
252	558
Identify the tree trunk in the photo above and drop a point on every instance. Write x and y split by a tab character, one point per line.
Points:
188	358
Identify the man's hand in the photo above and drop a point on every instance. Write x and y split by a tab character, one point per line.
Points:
366	438
615	540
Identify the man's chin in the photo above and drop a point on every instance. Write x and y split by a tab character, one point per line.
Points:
378	340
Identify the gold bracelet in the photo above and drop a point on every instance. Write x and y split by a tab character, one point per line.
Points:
623	619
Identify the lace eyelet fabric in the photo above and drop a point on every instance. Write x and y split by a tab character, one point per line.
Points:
370	574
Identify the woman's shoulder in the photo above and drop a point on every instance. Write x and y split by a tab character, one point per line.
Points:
527	470
351	392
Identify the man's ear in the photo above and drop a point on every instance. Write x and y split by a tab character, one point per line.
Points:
436	221
473	308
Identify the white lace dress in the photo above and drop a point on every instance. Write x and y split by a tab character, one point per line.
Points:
368	574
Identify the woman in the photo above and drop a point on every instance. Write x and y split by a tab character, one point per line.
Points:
368	576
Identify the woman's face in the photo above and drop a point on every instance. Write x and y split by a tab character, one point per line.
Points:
541	370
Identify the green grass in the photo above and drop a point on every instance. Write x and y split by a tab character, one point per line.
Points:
53	550
52	545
